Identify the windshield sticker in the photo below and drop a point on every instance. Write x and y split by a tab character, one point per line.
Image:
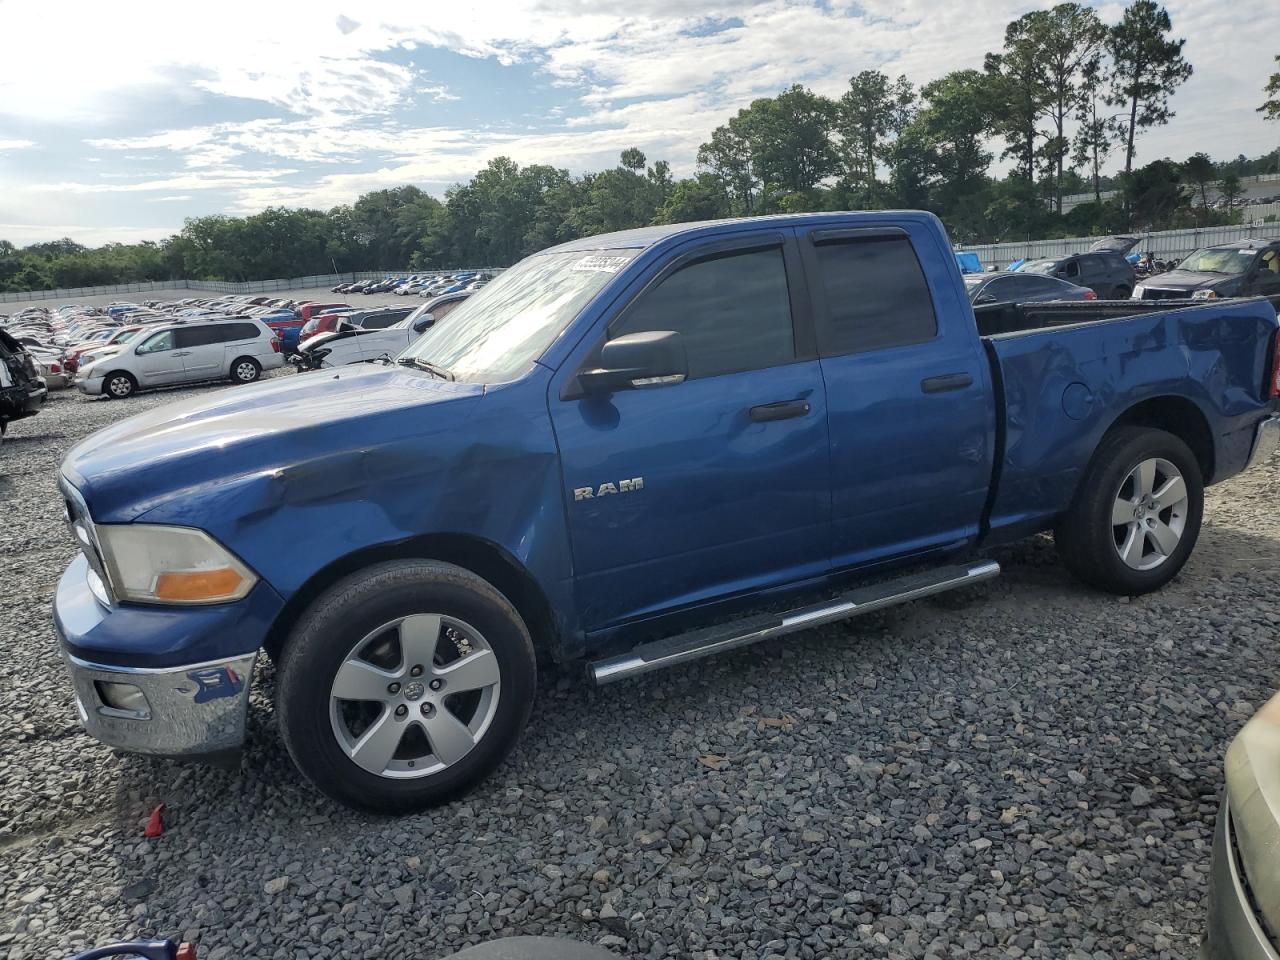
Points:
602	264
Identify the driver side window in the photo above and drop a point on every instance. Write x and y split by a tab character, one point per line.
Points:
158	343
1073	269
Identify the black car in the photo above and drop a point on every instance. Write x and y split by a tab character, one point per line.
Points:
1243	268
376	319
22	392
1103	269
1014	287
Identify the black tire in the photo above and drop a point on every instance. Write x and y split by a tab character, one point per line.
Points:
245	370
119	384
1086	539
1121	293
325	636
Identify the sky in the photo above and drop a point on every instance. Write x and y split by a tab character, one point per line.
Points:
117	121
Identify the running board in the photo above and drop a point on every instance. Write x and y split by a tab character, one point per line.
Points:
697	644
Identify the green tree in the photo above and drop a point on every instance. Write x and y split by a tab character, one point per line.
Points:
728	157
1230	188
699	198
1271	106
941	156
1199	171
633	159
1146	67
872	111
788	138
1154	195
1097	132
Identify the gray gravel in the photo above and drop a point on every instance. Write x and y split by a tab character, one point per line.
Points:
1024	769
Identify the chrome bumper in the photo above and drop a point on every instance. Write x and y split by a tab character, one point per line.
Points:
194	710
1232	931
1265	442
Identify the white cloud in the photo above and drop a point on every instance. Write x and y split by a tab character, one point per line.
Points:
22	234
16	144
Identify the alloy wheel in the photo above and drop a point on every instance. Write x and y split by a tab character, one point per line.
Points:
1149	514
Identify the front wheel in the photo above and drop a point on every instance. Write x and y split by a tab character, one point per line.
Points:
1136	516
119	385
245	370
405	685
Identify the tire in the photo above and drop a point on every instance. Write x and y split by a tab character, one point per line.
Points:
245	370
1121	293
119	384
361	628
1155	533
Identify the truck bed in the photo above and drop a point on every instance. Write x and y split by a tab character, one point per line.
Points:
999	319
1068	371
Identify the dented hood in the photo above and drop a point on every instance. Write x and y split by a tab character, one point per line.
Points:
267	429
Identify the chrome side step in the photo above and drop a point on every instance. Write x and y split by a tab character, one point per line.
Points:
697	644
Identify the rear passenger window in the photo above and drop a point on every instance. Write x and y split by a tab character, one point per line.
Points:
733	313
876	296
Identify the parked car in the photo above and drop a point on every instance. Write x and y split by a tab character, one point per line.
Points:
379	318
1243	268
1244	880
22	391
1103	269
639	449
235	349
991	288
362	344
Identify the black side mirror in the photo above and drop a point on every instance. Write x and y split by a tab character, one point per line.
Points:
986	298
638	360
423	322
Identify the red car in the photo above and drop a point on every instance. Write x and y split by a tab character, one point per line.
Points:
324	322
309	310
72	360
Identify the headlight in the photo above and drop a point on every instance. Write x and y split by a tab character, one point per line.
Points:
1138	291
155	564
1205	295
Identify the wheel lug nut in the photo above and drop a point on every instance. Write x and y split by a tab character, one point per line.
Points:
428	709
436	684
416	672
393	688
401	711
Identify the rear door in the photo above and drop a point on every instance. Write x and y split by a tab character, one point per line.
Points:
692	491
909	404
158	359
204	349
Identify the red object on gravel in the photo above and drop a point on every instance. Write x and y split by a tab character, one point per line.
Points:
155	825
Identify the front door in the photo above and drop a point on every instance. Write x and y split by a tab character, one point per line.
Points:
159	360
693	491
908	399
1266	275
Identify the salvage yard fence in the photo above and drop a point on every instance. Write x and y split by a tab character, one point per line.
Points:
1163	244
220	286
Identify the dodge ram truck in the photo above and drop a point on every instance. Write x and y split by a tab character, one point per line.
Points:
631	450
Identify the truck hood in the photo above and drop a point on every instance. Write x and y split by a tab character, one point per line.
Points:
1185	280
264	430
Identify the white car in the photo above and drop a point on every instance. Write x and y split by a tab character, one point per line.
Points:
235	348
356	345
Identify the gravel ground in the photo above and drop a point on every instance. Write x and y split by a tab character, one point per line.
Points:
1023	769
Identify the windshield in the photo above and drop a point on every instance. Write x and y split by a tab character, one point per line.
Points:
499	332
1218	261
1038	266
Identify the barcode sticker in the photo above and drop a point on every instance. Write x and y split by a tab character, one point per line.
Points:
599	264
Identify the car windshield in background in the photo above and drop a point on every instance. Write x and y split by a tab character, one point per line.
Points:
1230	262
1038	266
496	334
973	279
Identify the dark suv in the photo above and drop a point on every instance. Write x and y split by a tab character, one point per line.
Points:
1106	272
1241	268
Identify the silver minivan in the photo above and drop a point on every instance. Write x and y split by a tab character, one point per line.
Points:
237	349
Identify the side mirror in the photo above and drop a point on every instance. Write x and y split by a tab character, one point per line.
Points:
423	322
985	298
638	360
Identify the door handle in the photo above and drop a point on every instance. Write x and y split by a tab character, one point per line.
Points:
182	353
782	410
948	381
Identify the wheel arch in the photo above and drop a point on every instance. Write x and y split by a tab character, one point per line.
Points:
482	557
1176	415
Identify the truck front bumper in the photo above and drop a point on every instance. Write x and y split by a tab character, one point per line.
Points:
181	707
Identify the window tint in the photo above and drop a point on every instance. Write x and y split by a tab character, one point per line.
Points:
876	296
380	321
444	309
1072	268
211	333
998	289
158	343
733	313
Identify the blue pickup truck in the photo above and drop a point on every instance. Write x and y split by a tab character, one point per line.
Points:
632	450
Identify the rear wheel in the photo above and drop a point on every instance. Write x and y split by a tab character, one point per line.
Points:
245	370
119	385
1121	293
1136	517
405	685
